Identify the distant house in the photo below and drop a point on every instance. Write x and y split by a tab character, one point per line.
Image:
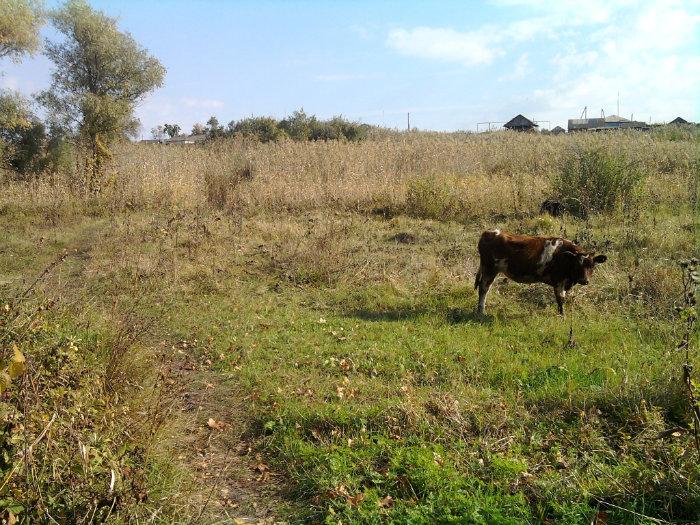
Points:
178	139
186	139
557	130
679	121
520	123
605	123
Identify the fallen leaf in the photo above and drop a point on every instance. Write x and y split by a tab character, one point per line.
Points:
216	425
355	500
386	502
8	517
18	364
264	470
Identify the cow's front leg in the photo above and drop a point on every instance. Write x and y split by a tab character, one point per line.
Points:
560	294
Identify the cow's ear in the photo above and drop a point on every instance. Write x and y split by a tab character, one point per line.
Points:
598	259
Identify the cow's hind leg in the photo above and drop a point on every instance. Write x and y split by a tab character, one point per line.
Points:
485	276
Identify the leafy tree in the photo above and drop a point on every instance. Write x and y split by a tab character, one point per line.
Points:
298	126
100	75
352	131
158	132
265	129
27	147
199	129
171	130
214	130
14	117
14	111
20	21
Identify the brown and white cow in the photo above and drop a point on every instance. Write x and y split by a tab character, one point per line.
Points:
525	259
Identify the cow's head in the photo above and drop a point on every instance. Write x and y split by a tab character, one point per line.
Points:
582	266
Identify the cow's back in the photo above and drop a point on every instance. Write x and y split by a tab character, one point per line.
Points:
523	258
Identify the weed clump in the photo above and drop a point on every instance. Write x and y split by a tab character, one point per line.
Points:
433	198
594	179
221	185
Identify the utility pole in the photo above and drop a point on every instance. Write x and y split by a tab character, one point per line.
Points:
408	121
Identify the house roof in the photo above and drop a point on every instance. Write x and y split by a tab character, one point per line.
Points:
186	139
616	118
519	122
679	120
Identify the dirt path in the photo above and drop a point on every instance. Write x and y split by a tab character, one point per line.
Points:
234	483
230	482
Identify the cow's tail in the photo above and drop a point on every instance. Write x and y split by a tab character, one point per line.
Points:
477	279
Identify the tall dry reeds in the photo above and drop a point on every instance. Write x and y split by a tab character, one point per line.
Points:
475	175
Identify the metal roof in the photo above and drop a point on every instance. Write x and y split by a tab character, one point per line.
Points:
519	122
616	118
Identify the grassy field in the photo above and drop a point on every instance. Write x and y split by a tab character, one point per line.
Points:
286	332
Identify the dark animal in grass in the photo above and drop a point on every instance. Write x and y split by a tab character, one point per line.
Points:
524	259
554	208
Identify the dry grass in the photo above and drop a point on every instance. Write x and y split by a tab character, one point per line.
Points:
489	174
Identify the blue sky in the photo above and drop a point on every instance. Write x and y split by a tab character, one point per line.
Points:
451	64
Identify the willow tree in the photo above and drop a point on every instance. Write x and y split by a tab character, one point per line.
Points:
100	75
20	21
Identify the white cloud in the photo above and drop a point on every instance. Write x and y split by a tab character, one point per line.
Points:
202	103
573	54
520	69
468	48
647	53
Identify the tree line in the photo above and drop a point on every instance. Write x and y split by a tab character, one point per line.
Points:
99	76
298	126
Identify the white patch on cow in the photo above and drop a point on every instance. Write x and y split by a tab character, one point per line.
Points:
560	289
547	254
501	265
497	231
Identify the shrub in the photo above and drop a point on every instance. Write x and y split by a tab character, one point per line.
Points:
324	131
338	128
432	198
264	129
60	155
298	125
59	424
593	179
220	186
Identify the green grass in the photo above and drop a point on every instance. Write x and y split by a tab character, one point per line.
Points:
374	391
362	393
